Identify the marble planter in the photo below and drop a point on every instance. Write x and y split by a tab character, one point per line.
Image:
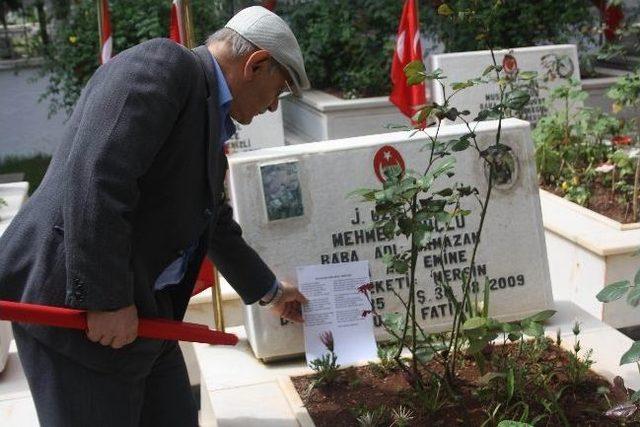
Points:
597	89
14	194
587	251
319	116
237	389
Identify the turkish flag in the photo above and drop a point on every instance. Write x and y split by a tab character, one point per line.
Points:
176	26
270	4
106	41
407	98
206	277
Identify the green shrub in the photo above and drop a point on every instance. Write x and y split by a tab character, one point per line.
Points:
33	167
347	44
513	23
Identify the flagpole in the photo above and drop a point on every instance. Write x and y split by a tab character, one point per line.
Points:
188	24
100	29
216	294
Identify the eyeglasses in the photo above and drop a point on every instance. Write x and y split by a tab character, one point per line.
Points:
285	91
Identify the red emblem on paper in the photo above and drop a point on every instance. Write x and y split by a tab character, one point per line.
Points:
385	157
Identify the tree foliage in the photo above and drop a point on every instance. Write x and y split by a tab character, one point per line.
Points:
347	44
513	23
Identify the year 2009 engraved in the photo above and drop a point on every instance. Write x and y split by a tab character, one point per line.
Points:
506	282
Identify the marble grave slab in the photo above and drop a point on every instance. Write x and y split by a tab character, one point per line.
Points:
292	205
555	64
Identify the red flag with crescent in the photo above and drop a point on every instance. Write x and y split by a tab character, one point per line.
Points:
270	4
176	27
407	98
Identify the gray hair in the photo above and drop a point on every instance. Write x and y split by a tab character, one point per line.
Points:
239	45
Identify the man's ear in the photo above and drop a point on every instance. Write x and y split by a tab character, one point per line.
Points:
257	62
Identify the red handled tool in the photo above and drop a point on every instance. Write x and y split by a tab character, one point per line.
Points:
163	329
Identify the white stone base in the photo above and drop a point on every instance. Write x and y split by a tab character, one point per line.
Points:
242	391
319	116
14	195
16	406
587	251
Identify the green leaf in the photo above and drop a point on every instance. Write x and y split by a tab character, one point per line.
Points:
485	299
445	192
414	67
636	279
509	423
527	75
424	354
415	72
541	316
443	217
400	266
425	182
490	376
514	336
632	355
511	383
366	193
416	79
452	114
389	228
461	145
487	70
445	166
406	225
462	85
445	10
387	259
633	298
475	323
393	321
614	291
635	397
435	205
517	99
476	345
533	329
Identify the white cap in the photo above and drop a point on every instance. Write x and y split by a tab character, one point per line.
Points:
269	32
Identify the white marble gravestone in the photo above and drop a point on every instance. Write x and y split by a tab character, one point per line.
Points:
14	195
265	130
291	202
555	64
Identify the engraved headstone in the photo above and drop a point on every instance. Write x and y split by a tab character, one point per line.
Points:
555	64
265	130
291	202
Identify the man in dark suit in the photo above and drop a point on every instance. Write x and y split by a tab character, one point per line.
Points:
132	202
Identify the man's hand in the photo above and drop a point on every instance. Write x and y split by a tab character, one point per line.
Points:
290	305
113	328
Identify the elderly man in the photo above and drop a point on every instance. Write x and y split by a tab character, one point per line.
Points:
132	202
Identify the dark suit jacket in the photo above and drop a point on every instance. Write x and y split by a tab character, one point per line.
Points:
138	177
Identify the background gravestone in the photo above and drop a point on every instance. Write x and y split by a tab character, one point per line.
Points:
291	202
555	64
265	130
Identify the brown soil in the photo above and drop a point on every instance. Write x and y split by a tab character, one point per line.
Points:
366	387
602	203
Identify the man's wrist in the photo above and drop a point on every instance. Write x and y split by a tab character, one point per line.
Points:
273	296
